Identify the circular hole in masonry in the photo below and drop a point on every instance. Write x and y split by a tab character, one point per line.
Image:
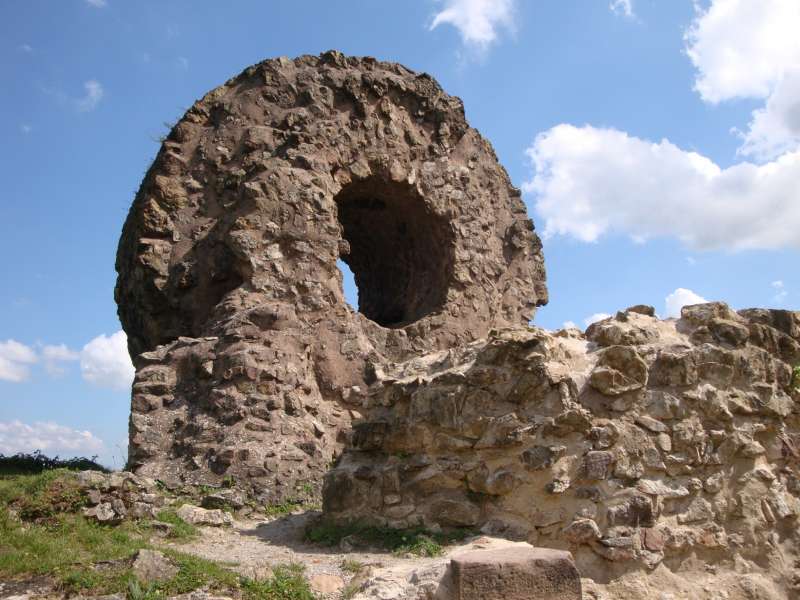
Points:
401	254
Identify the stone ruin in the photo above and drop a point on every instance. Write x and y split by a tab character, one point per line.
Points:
640	445
250	364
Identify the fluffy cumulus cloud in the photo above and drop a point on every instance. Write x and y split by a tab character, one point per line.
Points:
478	21
15	361
50	438
94	94
745	49
775	128
681	297
742	48
105	362
591	181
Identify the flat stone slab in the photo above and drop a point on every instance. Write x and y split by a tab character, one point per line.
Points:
516	573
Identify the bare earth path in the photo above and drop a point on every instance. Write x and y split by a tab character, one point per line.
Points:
252	547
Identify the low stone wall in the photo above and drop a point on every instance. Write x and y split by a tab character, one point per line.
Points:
643	443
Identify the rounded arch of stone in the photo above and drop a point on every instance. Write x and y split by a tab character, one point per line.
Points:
270	178
249	361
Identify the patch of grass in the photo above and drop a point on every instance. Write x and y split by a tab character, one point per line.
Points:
796	378
417	541
350	590
65	549
83	557
287	583
181	530
43	496
351	566
195	572
282	508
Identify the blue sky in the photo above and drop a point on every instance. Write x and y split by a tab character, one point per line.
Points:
656	143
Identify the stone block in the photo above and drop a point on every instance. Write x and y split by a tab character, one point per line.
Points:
516	573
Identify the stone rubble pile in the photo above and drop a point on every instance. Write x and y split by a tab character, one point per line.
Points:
113	497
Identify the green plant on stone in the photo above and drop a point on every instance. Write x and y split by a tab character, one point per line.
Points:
796	379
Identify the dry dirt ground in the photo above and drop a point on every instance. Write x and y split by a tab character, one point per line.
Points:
254	546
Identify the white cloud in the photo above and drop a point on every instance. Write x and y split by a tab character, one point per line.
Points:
595	318
26	48
183	62
50	438
25	128
681	297
780	291
623	8
55	356
97	3
742	48
591	181
570	325
105	362
94	94
477	21
775	129
15	361
746	49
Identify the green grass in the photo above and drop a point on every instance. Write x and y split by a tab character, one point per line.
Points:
796	378
84	557
351	566
43	496
181	530
283	508
417	541
287	583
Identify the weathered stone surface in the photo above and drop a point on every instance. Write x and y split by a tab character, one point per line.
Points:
702	458
247	355
201	516
620	369
515	574
151	566
326	584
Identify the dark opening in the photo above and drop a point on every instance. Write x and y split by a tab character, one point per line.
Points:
401	254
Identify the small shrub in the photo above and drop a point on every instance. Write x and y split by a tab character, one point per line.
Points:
796	379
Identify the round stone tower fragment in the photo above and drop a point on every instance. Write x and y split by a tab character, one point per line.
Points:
249	362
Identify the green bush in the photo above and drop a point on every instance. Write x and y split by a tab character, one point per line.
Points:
29	464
